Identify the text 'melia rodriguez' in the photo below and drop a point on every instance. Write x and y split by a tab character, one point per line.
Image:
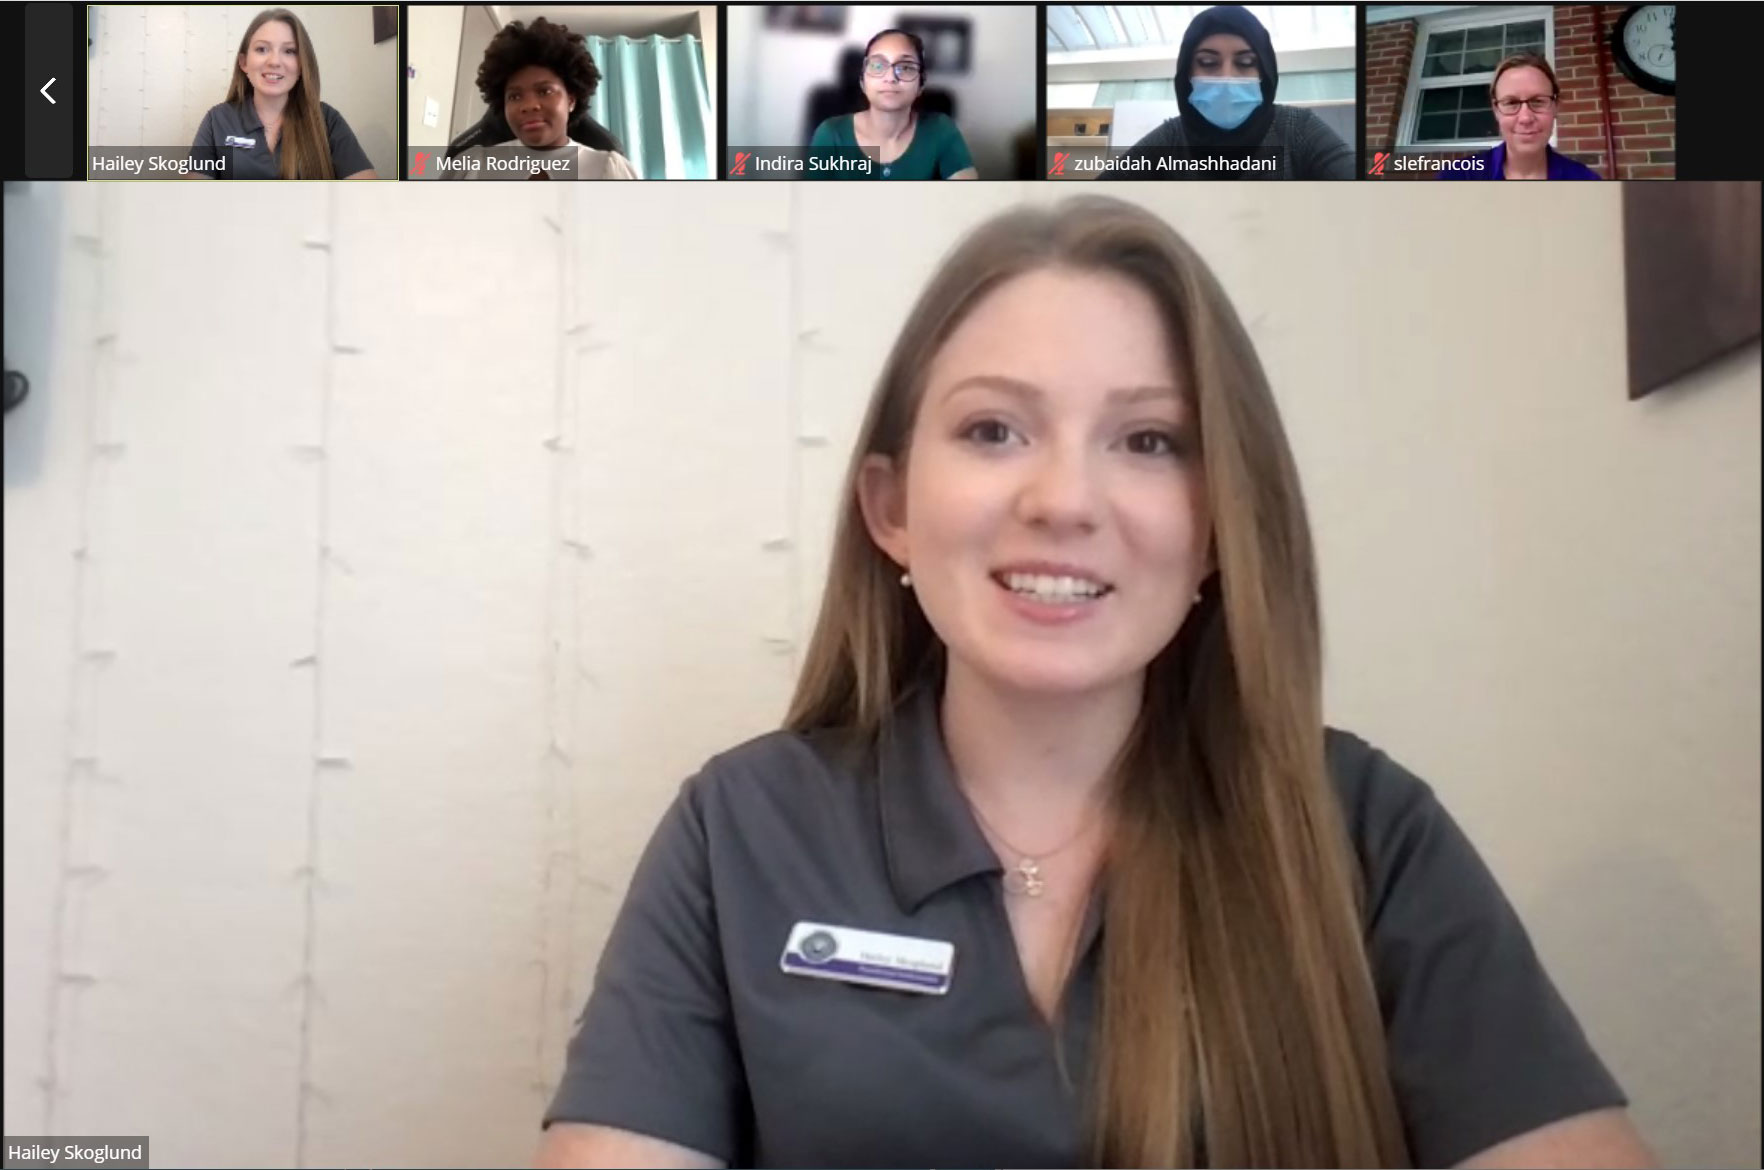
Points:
514	164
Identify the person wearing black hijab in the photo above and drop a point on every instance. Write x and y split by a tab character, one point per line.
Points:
1229	126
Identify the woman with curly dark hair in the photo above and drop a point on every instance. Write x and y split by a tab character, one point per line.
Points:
539	74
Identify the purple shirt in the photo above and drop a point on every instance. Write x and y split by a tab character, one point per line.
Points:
1494	166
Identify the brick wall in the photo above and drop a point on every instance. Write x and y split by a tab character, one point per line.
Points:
1643	125
1390	51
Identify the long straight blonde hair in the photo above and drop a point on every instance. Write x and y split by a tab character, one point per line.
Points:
1238	1019
306	144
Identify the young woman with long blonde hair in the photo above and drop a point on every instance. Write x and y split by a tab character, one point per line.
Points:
1054	862
272	124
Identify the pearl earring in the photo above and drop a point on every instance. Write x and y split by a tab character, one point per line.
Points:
906	580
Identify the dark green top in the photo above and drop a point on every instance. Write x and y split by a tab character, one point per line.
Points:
696	1034
936	151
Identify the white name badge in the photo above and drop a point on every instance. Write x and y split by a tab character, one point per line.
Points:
235	140
893	961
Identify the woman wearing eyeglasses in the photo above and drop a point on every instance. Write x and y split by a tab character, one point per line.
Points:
1524	93
895	139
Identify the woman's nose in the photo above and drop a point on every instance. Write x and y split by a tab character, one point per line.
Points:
1059	492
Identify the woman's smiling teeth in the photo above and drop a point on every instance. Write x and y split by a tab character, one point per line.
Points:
1064	590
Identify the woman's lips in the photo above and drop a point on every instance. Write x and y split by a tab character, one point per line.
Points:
1050	612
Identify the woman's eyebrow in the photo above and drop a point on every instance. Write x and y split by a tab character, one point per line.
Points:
1033	394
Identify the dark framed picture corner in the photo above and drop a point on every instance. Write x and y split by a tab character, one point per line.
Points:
1690	276
948	40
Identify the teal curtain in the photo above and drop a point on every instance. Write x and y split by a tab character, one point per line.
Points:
653	95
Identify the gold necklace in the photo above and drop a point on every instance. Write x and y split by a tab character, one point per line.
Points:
1024	877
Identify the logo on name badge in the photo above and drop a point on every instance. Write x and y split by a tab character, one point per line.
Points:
819	947
236	140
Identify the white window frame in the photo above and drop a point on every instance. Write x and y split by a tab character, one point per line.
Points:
1477	16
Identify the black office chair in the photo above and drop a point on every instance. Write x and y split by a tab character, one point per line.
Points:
938	101
845	95
492	129
18	388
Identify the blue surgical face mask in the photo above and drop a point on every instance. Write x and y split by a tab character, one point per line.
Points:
1226	102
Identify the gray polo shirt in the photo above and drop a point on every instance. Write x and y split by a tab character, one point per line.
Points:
694	1034
233	131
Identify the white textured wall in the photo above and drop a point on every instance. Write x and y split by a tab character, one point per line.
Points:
432	33
346	675
477	28
155	70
